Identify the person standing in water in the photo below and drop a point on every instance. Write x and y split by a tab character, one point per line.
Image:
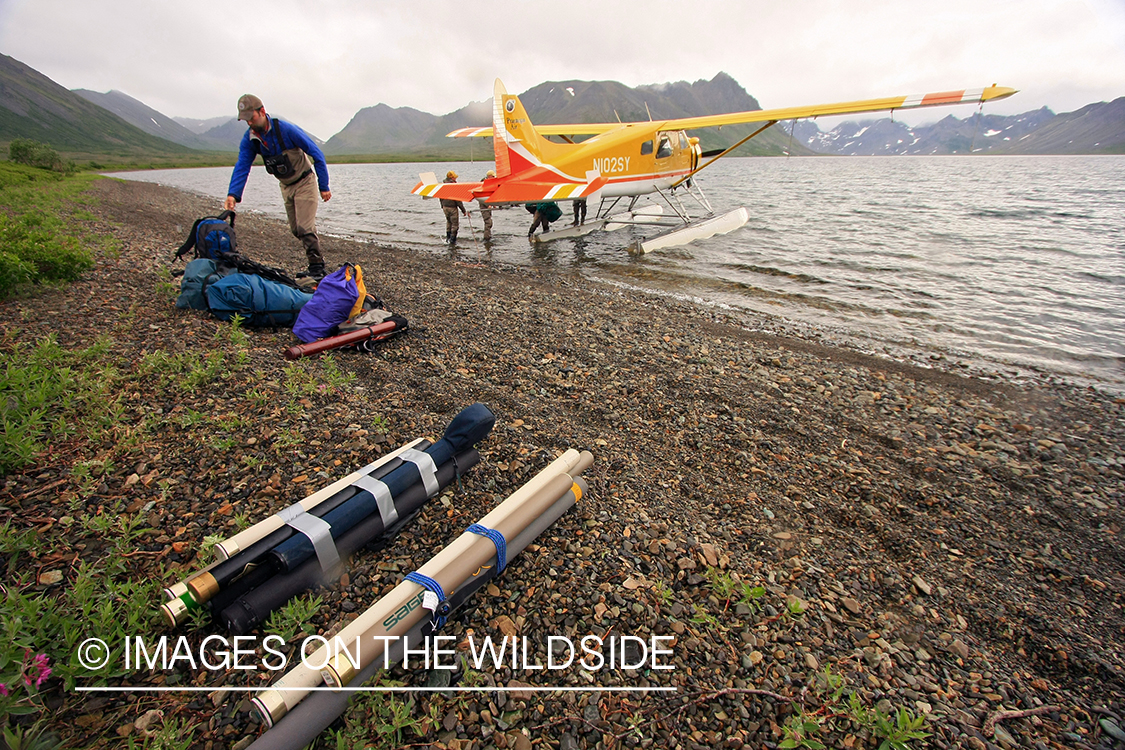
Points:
450	207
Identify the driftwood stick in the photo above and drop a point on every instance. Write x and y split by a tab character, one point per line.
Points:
999	716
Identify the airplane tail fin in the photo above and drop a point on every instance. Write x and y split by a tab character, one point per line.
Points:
517	144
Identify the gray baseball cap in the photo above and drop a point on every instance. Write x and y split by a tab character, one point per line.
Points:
248	104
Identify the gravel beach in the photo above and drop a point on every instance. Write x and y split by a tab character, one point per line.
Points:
804	522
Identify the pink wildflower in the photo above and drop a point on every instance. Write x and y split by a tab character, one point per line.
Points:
42	670
4	690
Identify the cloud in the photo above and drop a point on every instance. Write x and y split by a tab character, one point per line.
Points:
318	65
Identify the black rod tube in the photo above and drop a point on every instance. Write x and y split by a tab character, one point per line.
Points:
247	611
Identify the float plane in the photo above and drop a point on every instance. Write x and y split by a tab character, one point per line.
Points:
628	160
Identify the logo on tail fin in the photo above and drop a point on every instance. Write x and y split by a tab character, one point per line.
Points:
517	144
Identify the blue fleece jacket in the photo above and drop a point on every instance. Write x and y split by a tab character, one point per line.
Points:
285	135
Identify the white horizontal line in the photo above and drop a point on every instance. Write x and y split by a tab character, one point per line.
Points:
228	689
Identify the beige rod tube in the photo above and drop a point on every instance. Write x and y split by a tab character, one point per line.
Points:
450	567
404	601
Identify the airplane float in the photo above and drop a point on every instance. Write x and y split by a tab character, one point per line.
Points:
633	159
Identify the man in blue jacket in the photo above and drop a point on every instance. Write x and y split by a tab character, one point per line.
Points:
292	157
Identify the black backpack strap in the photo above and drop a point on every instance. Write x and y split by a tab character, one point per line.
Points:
190	242
245	265
227	216
277	130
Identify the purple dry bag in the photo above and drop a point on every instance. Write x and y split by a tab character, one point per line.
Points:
331	305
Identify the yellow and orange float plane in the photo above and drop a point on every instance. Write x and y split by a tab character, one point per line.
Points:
633	159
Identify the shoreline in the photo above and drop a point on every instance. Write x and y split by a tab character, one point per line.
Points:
953	544
919	336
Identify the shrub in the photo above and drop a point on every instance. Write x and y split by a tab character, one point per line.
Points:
35	249
35	154
13	272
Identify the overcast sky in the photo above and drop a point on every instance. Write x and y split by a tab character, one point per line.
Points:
319	63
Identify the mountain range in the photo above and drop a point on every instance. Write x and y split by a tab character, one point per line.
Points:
84	123
33	106
1093	129
383	130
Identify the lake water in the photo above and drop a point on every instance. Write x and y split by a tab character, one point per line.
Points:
1008	265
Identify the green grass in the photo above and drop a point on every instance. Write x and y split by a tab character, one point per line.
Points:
99	600
43	234
37	391
49	393
289	621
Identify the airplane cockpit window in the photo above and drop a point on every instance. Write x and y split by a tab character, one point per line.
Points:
683	140
646	148
665	149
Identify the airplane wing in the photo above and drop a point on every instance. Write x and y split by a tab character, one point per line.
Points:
585	128
521	191
911	101
485	132
497	192
429	187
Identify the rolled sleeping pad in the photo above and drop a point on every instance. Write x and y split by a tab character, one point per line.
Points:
294	685
247	611
243	539
300	726
468	428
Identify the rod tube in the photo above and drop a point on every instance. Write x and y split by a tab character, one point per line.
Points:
298	727
242	614
204	587
240	541
335	342
449	568
184	596
275	703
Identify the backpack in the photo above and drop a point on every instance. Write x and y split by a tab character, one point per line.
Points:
260	301
212	237
338	297
550	210
199	273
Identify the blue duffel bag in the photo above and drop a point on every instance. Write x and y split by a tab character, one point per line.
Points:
259	301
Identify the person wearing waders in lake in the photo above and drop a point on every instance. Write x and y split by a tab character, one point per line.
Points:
297	163
450	207
579	212
486	210
544	213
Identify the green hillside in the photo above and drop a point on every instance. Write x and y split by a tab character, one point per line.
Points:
33	106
